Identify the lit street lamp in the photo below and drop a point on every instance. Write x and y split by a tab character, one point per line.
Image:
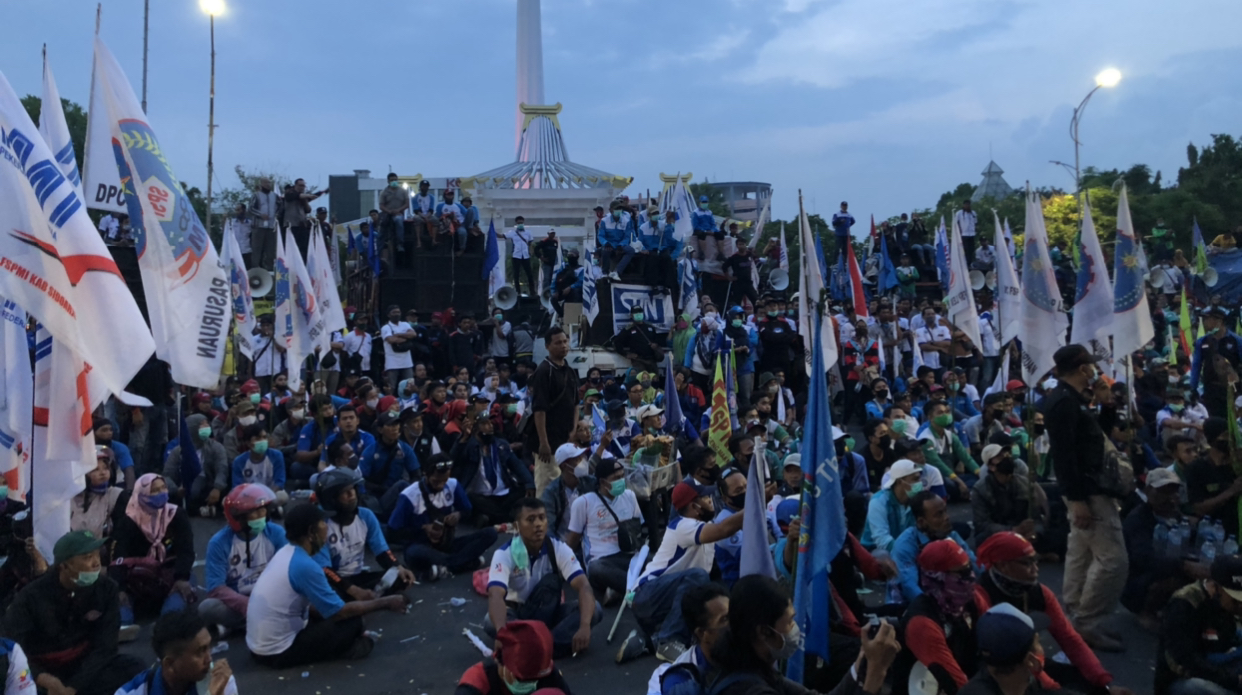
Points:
1107	78
212	8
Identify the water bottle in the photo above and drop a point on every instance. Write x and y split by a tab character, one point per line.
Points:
1218	535
1204	532
1231	545
1176	544
1160	540
1207	552
1186	538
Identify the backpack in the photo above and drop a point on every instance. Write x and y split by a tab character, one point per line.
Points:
696	686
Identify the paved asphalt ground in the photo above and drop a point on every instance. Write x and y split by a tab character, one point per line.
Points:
437	656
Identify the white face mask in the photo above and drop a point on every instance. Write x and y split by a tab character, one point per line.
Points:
247	420
372	403
582	469
297	414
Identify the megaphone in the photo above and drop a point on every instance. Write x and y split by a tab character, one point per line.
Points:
1158	279
778	279
977	280
545	298
1211	277
506	297
990	279
260	280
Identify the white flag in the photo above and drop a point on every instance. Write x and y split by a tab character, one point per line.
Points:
309	329
16	401
784	262
810	290
590	297
319	267
1132	327
1093	303
55	129
53	263
104	188
1042	326
962	312
1008	291
239	294
1002	377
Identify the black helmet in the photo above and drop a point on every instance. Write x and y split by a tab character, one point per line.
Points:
330	485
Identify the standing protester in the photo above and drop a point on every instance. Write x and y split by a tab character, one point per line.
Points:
966	219
553	391
394	201
398	339
263	222
522	240
297	207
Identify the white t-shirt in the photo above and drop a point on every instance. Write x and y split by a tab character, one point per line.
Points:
966	221
680	550
280	604
589	516
269	361
987	334
19	680
521	242
520	582
110	226
393	359
931	358
359	344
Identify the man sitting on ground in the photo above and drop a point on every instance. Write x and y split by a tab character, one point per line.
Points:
237	555
182	646
603	516
429	513
931	523
352	530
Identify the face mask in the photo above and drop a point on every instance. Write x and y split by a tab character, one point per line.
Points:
639	317
372	403
394	184
702	206
247	420
849	443
522	687
738	501
394	319
1038	430
499	317
737	323
100	489
259	447
511	409
881	395
1006	466
156	501
955	386
681	325
486	438
4	492
616	214
86	578
916	488
257	525
943	420
1173	408
772	313
521	228
204	432
1221	446
899	426
519	555
298	413
616	487
582	468
255	398
791	642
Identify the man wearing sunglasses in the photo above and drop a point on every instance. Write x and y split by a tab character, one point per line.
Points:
428	513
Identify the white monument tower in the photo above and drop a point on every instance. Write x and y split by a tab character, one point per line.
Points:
529	61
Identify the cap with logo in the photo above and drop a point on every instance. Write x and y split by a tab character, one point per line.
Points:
900	469
1160	477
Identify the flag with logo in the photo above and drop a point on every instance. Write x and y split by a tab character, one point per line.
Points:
104	186
811	302
962	312
1132	326
281	302
55	130
888	272
823	521
1093	302
319	266
16	401
309	330
1008	290
720	428
241	301
186	287
1042	324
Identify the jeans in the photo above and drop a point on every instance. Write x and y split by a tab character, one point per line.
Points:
548	271
263	247
520	265
320	640
657	605
396	376
118	671
1197	686
492	509
563	625
215	612
1096	564
609	572
462	554
608	253
926	254
745	385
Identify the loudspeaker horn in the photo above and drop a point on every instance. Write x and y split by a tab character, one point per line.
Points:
977	280
260	280
990	279
1211	277
506	297
545	298
779	279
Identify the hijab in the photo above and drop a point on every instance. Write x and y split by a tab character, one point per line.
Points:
153	522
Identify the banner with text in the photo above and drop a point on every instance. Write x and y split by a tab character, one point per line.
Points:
657	309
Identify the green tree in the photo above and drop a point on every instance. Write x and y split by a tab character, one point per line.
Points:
715	197
75	118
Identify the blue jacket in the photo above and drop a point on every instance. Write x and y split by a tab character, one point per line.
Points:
841	223
655	239
962	403
703	221
688	358
906	551
377	455
886	519
468	458
616	232
405	517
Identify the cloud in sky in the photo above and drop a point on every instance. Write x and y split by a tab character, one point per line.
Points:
884	103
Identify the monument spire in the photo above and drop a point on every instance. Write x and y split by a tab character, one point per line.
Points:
529	63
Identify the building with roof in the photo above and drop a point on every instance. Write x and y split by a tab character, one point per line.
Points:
993	186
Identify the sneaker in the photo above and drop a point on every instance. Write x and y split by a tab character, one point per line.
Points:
670	651
128	633
633	647
441	572
614	276
361	648
611	597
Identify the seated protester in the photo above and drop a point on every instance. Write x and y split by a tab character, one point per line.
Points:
877	453
493	477
182	647
352	530
201	403
852	467
429	514
1001	501
945	451
92	509
284	437
1153	576
610	519
259	465
527	578
705	609
120	452
879	401
237	555
455	419
68	653
349	428
1010	575
312	436
522	663
763	631
961	396
414	433
979	429
900	422
681	563
931	523
912	449
234	438
388	464
575	480
1199	635
938	627
622	428
152	545
1011	655
1175	418
203	494
728	551
1211	484
280	630
888	512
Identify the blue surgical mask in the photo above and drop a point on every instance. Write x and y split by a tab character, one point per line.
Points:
257	525
156	501
916	488
86	578
617	487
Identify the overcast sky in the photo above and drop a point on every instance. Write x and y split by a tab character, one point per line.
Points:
885	104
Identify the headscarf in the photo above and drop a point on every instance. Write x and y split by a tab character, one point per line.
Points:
1006	546
385	403
452	414
941	576
153	522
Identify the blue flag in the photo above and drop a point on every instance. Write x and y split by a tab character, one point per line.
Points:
491	257
823	518
942	259
349	233
888	272
373	254
730	380
597	425
673	419
755	556
190	465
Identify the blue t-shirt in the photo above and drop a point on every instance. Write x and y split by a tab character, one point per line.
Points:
400	459
270	471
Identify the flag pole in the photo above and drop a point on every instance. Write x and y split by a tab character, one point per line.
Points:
86	150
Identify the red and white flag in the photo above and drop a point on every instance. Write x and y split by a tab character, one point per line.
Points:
856	284
309	328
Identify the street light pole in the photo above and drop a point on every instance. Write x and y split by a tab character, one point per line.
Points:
1107	78
146	29
212	8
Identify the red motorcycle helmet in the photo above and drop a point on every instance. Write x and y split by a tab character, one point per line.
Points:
242	500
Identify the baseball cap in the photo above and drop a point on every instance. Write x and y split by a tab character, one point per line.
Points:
990	452
1005	635
648	411
837	433
1217	311
569	450
524	648
1073	356
794	459
702	199
1226	572
901	469
945	556
787	510
73	544
1160	477
1014	385
385	419
608	467
753	423
684	494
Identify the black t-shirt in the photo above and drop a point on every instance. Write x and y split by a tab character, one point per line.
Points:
554	391
1205	480
740	266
